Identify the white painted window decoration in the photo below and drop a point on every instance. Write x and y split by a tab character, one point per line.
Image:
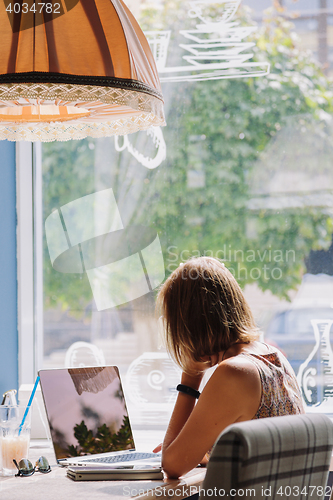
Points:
216	50
156	135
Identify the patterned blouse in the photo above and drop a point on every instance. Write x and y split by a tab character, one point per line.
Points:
280	391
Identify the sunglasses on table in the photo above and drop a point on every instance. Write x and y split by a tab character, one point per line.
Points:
25	467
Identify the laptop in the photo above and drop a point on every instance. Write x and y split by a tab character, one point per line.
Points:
88	418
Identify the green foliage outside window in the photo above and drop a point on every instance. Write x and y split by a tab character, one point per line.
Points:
220	153
223	130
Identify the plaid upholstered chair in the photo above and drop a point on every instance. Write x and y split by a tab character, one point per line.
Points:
271	458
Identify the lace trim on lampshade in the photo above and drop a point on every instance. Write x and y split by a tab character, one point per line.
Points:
86	94
38	77
65	131
132	111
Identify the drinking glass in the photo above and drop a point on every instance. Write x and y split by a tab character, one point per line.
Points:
14	437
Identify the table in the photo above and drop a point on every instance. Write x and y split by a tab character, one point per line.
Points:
57	486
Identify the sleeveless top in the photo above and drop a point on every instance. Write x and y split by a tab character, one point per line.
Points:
280	392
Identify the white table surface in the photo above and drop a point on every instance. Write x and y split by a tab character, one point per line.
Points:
57	486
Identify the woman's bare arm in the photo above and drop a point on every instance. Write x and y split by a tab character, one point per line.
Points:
232	394
182	410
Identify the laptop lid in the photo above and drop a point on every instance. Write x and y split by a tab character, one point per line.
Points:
86	411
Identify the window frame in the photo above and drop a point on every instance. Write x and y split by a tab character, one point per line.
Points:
29	259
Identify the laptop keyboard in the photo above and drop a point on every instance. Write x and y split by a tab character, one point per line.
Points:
126	457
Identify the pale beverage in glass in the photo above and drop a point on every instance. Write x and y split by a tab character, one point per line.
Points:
14	439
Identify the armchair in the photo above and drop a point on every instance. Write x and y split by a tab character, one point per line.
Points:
271	458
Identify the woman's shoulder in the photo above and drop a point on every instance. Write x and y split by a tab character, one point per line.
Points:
239	370
235	383
243	354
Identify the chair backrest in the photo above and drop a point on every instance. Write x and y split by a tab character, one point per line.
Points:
271	458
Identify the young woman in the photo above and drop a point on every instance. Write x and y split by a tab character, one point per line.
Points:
208	322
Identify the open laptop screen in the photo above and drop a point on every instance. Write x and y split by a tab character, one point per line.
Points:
86	411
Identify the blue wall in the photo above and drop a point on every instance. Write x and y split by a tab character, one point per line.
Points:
8	279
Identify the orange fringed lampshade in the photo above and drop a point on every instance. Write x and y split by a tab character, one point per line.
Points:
75	69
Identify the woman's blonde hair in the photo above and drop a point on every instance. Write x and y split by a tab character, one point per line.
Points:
204	310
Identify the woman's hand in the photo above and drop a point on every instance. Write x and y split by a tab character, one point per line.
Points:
158	448
205	363
215	359
196	369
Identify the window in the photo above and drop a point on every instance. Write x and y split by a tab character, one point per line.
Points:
242	172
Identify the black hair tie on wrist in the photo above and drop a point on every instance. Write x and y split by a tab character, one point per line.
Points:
188	390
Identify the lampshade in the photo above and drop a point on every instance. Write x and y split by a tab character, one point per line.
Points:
71	69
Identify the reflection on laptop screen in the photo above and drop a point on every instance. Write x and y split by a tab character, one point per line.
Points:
86	411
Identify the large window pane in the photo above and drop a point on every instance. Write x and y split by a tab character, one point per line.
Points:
242	172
